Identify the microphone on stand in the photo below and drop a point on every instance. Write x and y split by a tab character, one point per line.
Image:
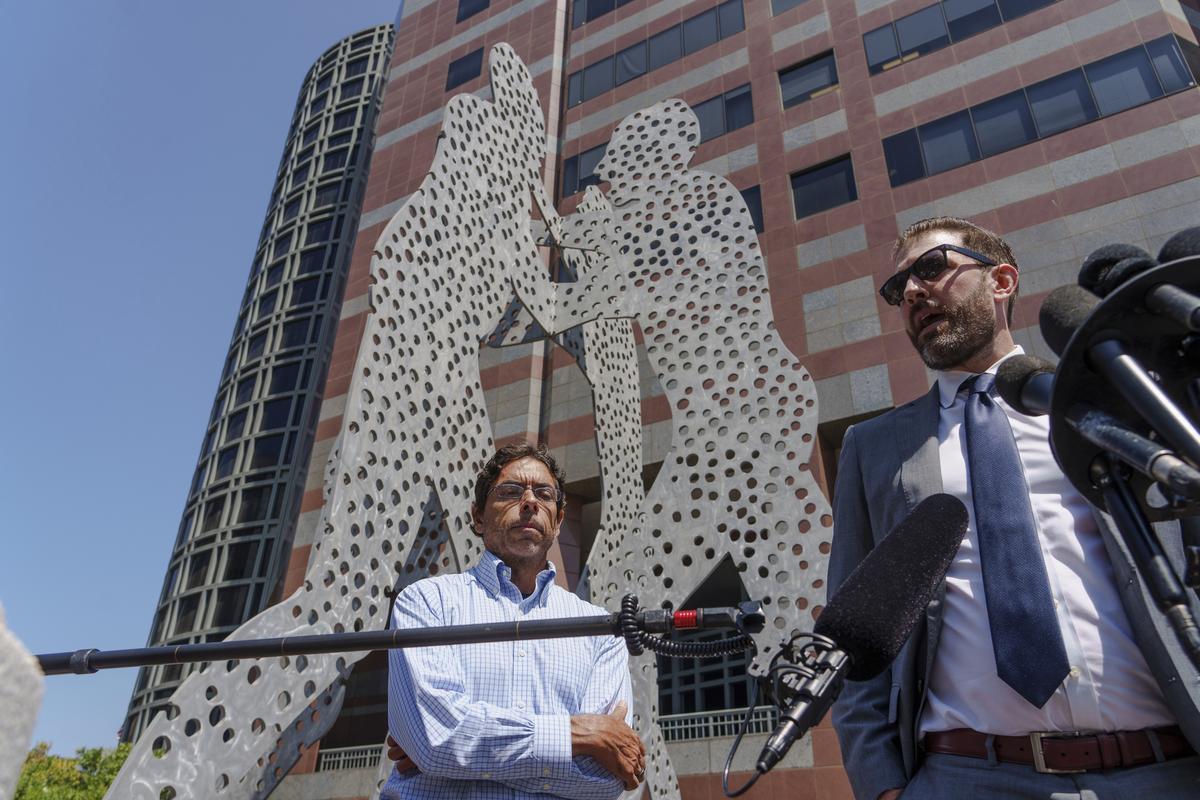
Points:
1026	383
867	621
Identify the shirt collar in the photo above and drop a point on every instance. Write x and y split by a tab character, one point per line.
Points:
496	577
951	380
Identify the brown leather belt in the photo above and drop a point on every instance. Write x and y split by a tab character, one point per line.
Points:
1066	752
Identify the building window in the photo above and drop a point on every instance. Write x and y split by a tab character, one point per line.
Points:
674	43
469	8
335	159
275	413
806	80
780	6
318	105
753	198
344	119
587	10
245	390
311	261
305	291
936	26
579	171
229	605
310	134
823	187
727	112
284	376
319	231
235	425
350	89
356	67
1107	86
254	503
325	195
464	69
266	452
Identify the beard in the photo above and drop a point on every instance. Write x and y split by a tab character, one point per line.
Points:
965	330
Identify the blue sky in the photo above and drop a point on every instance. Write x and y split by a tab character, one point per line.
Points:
139	143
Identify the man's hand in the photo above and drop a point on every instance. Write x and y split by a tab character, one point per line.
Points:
890	794
606	738
397	754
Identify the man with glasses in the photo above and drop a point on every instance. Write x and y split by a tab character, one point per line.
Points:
1041	669
544	717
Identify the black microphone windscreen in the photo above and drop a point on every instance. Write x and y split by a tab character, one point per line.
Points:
1185	243
875	610
1012	375
1065	309
1096	266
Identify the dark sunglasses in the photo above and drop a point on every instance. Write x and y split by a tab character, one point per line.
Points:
926	267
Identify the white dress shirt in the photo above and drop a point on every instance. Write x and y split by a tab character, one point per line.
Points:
492	721
1109	687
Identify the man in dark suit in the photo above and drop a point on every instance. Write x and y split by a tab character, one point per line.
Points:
1042	668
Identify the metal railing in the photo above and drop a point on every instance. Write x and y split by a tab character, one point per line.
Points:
364	757
675	728
716	724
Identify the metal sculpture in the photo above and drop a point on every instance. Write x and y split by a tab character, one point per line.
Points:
676	252
415	432
20	697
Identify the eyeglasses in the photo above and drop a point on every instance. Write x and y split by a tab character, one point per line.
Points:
509	491
926	267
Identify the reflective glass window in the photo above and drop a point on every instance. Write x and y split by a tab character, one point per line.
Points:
948	142
799	83
282	243
780	6
335	159
239	560
1061	102
212	513
266	304
305	291
967	17
902	152
291	209
274	274
344	119
1011	9
881	47
235	426
325	195
284	376
732	18
464	69
350	89
753	198
739	108
824	187
318	105
1003	123
230	606
275	414
923	31
266	451
256	346
631	62
319	231
299	175
295	333
1123	81
597	79
312	261
711	114
310	134
226	461
356	67
1169	64
185	615
469	8
575	89
700	31
254	503
588	160
665	47
245	390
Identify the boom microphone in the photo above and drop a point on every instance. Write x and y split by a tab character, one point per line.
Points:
872	615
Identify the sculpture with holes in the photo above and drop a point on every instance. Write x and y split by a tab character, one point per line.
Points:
684	261
415	432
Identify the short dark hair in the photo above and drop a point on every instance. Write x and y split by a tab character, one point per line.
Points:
974	236
506	455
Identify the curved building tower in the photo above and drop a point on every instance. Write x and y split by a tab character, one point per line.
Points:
229	557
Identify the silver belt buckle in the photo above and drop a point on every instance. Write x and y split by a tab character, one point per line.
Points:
1039	757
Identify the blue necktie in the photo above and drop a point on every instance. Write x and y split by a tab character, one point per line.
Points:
1030	656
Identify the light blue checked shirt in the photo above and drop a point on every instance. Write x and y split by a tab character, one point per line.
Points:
493	721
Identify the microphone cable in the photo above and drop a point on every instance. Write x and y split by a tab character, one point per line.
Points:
638	641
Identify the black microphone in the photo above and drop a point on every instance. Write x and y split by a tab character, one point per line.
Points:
1025	383
868	619
1111	265
1064	312
1181	245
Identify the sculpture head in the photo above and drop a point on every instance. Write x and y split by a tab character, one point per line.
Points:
516	102
650	146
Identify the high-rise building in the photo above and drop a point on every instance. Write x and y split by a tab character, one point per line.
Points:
235	539
1061	124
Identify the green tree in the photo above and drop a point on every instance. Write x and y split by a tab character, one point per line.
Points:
86	777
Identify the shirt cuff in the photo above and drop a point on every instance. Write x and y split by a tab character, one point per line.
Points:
552	743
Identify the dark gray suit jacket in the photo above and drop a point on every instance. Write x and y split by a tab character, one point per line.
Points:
888	465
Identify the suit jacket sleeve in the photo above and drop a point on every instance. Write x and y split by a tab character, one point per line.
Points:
864	715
